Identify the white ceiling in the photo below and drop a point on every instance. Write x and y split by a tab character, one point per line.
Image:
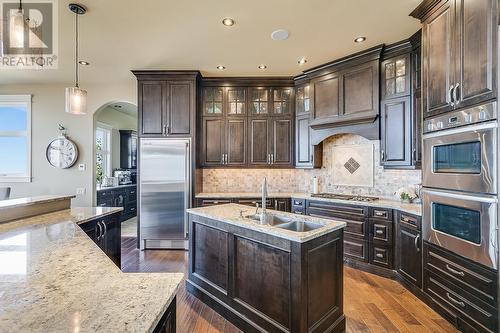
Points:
120	35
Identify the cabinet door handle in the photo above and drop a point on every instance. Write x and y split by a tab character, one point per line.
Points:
272	158
100	230
226	159
105	228
379	255
276	205
268	158
164	131
454	301
416	243
450	95
454	271
383	155
379	232
455	94
168	129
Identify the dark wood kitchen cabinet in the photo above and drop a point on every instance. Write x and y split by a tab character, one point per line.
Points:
106	233
307	155
246	124
400	107
409	248
459	41
166	103
128	149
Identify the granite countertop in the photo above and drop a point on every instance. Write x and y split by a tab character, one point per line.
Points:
102	188
230	213
13	203
415	209
54	278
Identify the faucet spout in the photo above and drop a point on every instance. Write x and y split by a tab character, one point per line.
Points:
264	199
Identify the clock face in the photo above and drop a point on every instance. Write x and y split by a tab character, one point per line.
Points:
62	153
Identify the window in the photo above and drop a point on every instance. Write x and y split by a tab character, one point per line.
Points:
15	138
103	152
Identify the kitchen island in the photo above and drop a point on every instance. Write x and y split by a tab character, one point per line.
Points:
54	278
283	276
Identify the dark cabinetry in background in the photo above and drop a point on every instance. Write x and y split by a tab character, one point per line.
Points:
123	196
167	103
128	149
106	233
246	123
459	41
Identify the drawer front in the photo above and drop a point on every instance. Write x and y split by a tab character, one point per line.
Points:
381	232
104	195
381	213
213	202
381	256
132	194
253	202
298	203
105	202
471	277
356	249
130	210
411	220
468	307
330	210
356	229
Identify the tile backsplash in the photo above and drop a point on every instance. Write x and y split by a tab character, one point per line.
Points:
386	182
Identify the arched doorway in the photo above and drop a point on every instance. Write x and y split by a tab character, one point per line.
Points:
115	160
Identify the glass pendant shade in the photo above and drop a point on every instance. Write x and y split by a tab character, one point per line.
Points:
76	100
16	38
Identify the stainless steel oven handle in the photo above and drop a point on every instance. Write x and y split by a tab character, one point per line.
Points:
476	198
464	129
454	271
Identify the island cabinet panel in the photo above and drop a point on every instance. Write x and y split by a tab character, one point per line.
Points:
210	255
168	323
273	284
262	279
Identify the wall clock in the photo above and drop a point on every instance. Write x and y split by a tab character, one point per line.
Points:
62	152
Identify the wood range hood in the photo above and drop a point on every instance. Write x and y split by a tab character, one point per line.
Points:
345	96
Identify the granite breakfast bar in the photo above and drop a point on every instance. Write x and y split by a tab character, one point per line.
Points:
54	278
282	275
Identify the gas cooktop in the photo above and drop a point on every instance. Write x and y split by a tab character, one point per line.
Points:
344	197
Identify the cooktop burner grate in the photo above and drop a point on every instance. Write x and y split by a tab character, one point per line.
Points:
344	197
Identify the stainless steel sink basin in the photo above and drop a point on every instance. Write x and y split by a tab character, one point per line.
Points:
272	220
300	226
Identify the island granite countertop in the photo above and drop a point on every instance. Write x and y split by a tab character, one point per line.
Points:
415	209
54	278
232	214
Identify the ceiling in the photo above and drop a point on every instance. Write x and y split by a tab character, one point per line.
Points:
120	35
126	108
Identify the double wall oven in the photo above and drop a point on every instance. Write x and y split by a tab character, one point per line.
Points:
459	193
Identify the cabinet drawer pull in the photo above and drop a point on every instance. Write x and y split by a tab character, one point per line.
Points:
254	202
379	213
276	205
215	202
379	232
454	271
454	301
405	219
379	255
416	243
100	230
298	212
297	203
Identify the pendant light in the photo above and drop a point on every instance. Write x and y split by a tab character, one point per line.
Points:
16	25
76	98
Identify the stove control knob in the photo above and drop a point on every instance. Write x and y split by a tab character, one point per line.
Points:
439	125
482	115
429	127
468	118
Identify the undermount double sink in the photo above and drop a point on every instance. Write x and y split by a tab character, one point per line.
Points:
286	223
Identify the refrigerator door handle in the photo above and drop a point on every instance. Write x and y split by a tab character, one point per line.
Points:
187	190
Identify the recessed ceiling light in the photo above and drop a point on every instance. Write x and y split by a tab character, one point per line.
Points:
302	61
262	67
117	106
360	39
228	22
220	67
280	34
84	63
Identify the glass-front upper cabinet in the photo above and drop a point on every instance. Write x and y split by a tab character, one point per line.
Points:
259	98
302	104
212	101
396	77
236	98
282	101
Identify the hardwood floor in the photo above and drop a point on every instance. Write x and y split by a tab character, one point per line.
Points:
371	303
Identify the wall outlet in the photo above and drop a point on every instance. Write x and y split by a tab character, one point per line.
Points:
80	191
82	167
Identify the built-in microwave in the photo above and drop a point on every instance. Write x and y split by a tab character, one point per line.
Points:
462	223
460	151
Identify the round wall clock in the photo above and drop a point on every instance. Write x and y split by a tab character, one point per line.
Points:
62	152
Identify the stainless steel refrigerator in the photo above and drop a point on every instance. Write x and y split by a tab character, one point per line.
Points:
164	192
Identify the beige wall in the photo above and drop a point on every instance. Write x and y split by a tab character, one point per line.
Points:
118	121
47	113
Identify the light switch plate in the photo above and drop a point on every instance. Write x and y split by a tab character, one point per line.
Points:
82	167
80	191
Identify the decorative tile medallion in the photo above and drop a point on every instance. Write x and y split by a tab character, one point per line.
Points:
352	165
